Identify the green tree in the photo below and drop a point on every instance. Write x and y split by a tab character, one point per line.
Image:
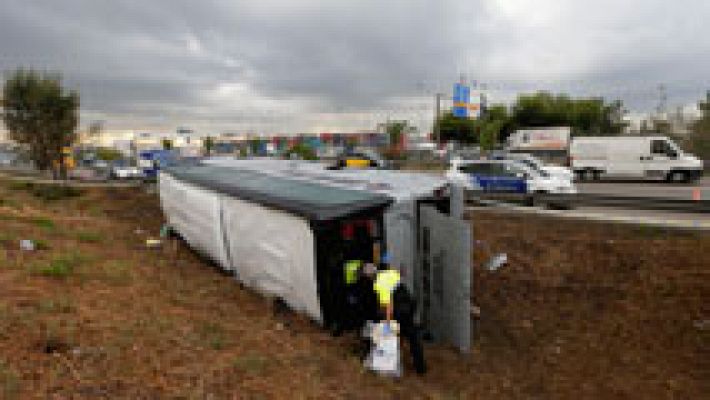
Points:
167	144
462	130
495	126
589	116
301	151
42	116
699	139
586	116
395	131
108	154
95	128
254	146
542	109
208	145
613	122
490	132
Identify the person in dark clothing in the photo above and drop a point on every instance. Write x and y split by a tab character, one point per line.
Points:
398	304
347	301
368	310
355	304
359	303
403	311
342	279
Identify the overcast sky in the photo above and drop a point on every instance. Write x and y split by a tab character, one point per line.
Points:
331	65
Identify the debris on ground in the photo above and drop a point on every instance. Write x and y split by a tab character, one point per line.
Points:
153	243
497	261
384	357
27	245
702	324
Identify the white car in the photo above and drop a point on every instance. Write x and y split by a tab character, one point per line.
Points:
557	171
507	176
122	170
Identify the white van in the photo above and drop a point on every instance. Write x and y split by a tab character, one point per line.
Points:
633	157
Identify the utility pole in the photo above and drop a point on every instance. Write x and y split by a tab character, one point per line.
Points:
662	101
484	101
437	115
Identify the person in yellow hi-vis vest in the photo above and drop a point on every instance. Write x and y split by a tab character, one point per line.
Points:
397	304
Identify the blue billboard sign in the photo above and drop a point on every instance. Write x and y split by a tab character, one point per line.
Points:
462	96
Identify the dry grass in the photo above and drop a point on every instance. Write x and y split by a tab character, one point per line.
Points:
581	311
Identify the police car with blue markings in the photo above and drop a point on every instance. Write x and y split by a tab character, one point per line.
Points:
507	176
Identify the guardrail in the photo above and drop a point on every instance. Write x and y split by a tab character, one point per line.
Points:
634	202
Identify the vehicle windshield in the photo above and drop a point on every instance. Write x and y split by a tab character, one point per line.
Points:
535	167
674	147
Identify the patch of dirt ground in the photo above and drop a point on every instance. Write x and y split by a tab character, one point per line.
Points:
581	310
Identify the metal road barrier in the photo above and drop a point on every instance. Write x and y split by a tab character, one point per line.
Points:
595	200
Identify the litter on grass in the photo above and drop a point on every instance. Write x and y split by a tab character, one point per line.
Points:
497	261
153	243
384	358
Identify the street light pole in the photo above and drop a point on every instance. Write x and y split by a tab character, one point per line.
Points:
437	115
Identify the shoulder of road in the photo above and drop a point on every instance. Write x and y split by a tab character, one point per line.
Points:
664	219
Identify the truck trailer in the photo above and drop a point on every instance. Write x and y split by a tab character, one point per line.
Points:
285	228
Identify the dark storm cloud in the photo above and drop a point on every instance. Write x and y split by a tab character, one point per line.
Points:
291	64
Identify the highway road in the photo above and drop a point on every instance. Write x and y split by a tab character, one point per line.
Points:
662	219
650	189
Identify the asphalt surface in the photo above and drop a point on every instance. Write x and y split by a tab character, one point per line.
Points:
647	189
664	219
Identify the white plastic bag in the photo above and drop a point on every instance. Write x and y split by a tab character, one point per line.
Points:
384	357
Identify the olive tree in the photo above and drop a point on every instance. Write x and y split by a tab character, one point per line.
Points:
41	115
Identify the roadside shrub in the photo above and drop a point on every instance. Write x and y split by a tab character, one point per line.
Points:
44	223
213	335
9	203
89	237
20	185
55	192
47	192
250	363
60	305
115	272
41	244
60	267
9	381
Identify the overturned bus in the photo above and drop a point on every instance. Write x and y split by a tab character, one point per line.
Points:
285	228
